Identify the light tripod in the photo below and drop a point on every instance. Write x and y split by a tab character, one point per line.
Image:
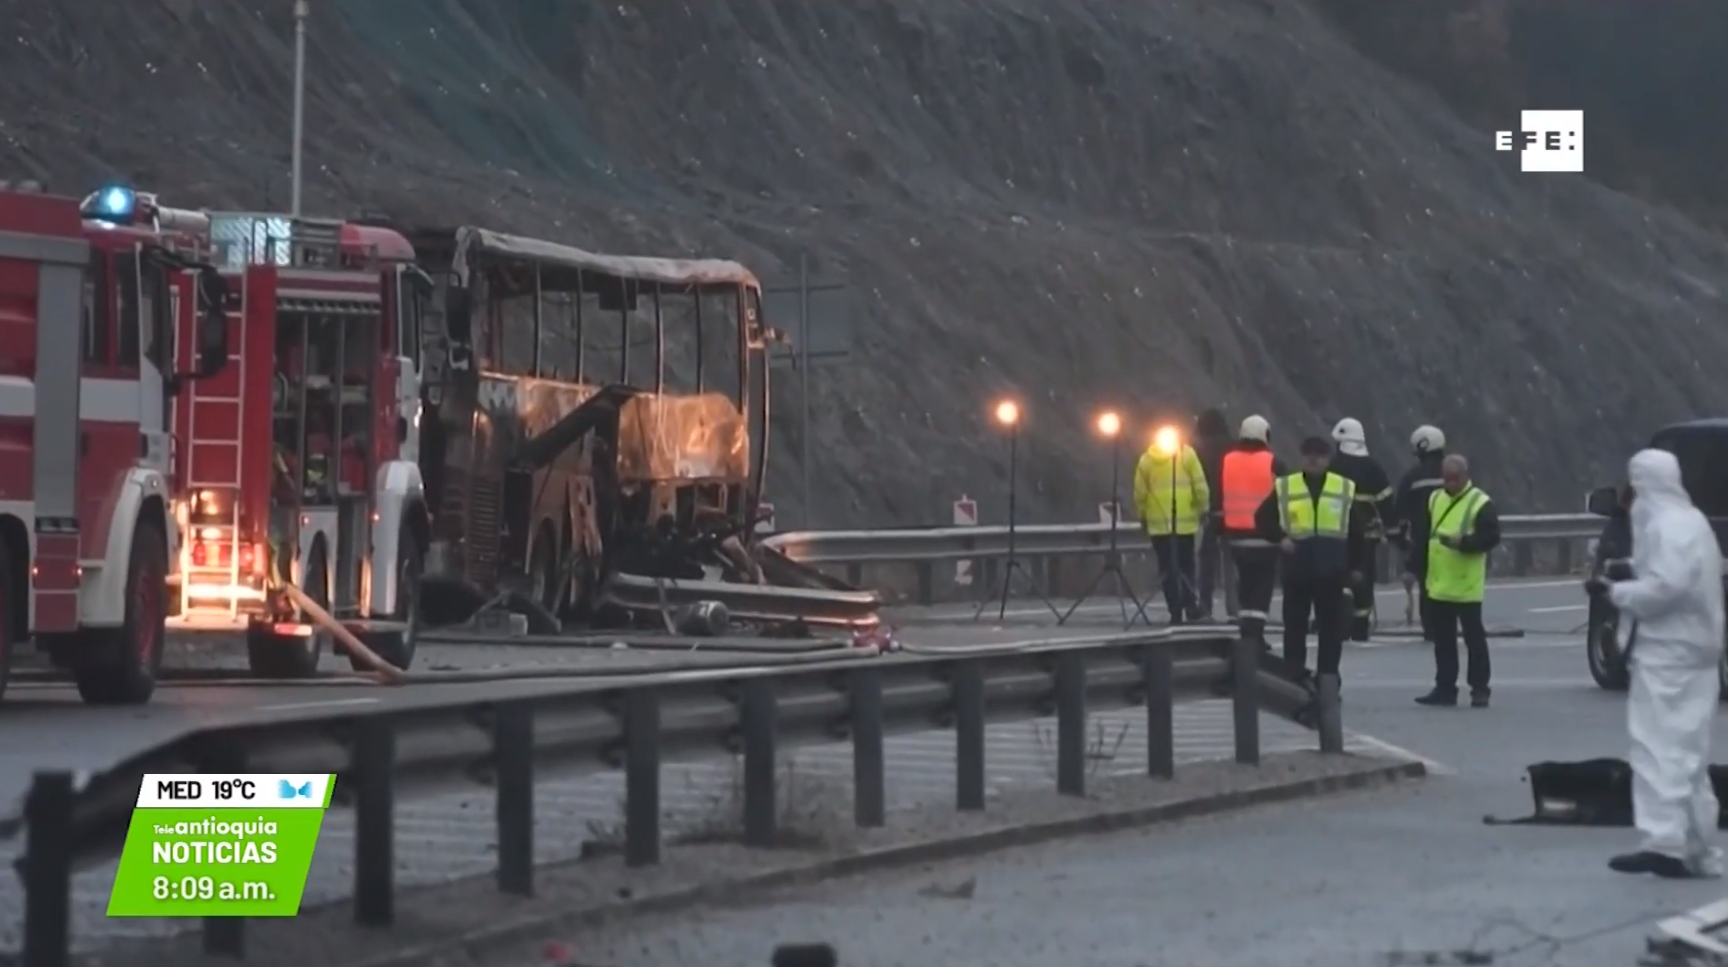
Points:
1008	414
1110	425
1168	440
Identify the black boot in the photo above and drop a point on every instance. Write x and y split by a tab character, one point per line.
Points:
1646	861
1478	698
1439	698
1359	628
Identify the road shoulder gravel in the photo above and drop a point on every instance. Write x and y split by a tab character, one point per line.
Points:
468	923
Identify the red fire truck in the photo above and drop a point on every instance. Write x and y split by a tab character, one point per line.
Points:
86	527
287	465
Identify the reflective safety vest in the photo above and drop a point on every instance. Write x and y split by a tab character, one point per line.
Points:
1247	480
1304	518
1455	576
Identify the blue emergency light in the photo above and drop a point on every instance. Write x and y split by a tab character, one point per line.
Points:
115	204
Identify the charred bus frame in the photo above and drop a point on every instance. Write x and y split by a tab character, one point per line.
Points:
587	414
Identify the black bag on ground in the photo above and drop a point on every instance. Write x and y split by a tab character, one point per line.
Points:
1594	792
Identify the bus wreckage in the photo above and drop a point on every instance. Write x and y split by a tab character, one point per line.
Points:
594	439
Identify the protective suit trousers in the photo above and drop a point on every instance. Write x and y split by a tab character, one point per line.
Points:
1669	714
1256	579
1362	566
1327	600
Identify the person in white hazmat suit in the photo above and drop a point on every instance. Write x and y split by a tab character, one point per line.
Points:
1675	594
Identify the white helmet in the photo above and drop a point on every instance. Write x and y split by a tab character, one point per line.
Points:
1255	428
1349	430
1427	439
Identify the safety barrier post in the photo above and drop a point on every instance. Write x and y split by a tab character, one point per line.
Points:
513	768
759	795
1157	677
1071	723
374	823
1245	687
869	764
1331	716
641	777
48	870
968	688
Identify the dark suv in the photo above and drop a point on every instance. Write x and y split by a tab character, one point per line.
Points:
1701	446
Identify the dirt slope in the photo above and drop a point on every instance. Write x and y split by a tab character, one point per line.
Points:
1163	203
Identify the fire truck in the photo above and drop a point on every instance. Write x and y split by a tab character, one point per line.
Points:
296	507
86	527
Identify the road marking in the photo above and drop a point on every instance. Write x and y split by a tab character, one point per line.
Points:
327	703
1434	766
1558	608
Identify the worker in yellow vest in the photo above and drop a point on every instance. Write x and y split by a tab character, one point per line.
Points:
1313	516
1462	529
1171	494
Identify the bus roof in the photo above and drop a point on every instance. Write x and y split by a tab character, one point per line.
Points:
471	240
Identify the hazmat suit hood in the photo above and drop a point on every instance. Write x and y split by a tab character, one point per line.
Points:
1676	591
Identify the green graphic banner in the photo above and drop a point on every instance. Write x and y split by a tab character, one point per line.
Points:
220	846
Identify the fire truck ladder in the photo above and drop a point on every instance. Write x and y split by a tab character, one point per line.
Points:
231	487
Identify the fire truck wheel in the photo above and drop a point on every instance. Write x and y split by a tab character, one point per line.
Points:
271	655
131	655
397	648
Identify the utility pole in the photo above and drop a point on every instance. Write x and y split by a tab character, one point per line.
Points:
300	12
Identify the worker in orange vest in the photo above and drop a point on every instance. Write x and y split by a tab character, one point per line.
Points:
1248	473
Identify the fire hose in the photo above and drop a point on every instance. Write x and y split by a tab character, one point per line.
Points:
382	671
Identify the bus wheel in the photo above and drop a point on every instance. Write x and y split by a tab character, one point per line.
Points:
397	647
273	655
545	582
125	663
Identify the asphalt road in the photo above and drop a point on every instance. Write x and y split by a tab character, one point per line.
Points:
47	727
1353	880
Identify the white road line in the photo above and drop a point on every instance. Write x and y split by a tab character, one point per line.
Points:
327	703
1434	766
1558	608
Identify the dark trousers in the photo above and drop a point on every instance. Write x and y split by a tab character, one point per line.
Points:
1256	579
1362	567
1447	618
1326	599
1176	572
1211	560
1413	566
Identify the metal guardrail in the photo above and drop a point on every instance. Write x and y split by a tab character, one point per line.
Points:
501	735
924	547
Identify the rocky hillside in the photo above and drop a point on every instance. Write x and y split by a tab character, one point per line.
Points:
1160	205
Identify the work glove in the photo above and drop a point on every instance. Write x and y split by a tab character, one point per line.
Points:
1597	588
1618	571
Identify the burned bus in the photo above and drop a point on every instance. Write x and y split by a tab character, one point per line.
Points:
595	432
